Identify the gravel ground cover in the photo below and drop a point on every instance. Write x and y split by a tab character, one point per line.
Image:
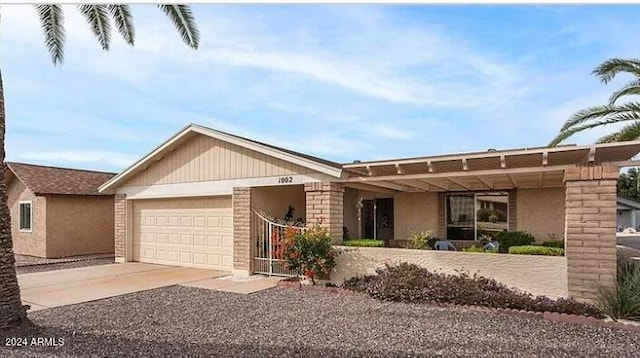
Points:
64	265
191	322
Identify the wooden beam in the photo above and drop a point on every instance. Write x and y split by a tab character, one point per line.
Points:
445	188
458	183
541	178
592	155
465	167
503	161
491	172
416	184
430	166
369	171
484	181
387	185
545	158
398	169
368	187
513	181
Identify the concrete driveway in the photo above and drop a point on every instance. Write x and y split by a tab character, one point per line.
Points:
65	287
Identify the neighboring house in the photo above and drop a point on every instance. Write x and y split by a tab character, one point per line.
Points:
628	211
58	212
193	200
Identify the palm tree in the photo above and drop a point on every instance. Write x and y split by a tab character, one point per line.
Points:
611	113
98	17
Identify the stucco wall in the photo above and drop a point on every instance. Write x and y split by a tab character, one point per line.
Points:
27	243
415	212
275	200
79	225
541	212
540	275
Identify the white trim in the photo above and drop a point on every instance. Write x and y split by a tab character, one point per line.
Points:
193	128
476	155
214	187
30	229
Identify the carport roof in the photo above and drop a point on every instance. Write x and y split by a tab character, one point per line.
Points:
493	169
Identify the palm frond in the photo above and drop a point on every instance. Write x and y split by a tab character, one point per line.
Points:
631	88
610	119
185	23
52	23
600	112
629	132
124	21
97	17
608	70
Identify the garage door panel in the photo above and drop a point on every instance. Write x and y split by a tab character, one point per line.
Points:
190	232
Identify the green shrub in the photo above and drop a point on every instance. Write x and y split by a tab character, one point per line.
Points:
419	240
536	250
478	249
506	239
623	301
411	283
554	243
363	243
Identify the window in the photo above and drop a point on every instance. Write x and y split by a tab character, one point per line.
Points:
25	216
474	216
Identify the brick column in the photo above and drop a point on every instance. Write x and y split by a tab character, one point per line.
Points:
590	234
325	205
241	231
120	229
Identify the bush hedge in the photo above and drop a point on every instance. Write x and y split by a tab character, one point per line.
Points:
411	283
506	239
554	243
536	250
622	301
478	249
363	243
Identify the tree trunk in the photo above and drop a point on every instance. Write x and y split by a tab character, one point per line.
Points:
12	312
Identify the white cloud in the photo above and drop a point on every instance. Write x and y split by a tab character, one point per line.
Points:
80	156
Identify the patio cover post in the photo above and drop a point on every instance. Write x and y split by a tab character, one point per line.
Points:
324	206
590	237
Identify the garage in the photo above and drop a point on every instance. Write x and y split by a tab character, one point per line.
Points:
195	232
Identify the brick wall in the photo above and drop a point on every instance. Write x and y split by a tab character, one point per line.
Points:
242	230
324	206
120	229
590	212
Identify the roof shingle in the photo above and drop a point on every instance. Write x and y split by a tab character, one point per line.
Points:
43	180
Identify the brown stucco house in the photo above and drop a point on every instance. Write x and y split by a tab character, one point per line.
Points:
199	200
59	212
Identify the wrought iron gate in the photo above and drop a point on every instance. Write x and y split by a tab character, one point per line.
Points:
269	237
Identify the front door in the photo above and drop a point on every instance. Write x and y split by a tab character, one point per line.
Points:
377	219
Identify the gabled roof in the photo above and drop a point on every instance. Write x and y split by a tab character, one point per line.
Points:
320	165
45	180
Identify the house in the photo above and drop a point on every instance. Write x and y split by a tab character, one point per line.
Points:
628	210
199	199
59	212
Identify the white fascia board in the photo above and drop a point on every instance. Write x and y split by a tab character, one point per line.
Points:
215	187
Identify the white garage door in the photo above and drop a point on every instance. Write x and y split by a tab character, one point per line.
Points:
195	232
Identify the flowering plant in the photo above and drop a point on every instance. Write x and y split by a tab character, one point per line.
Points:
308	252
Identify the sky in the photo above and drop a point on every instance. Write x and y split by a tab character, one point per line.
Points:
342	82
